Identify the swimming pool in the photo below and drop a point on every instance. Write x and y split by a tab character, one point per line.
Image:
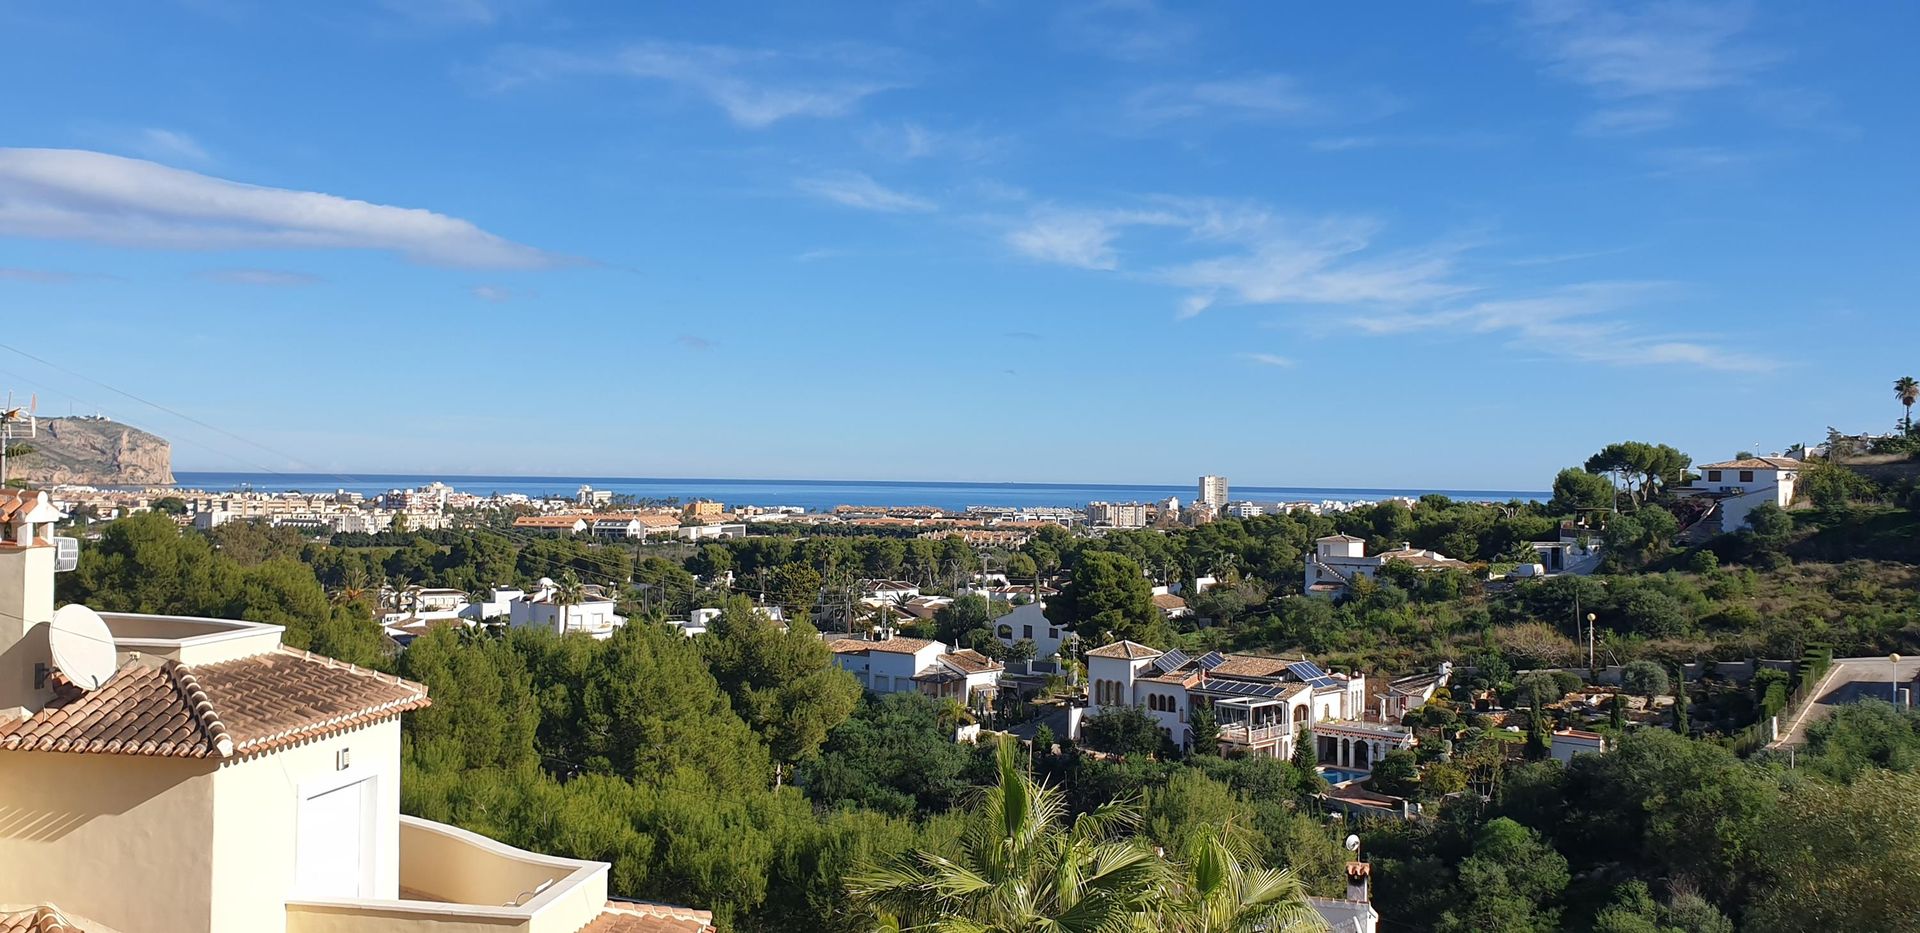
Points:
1343	775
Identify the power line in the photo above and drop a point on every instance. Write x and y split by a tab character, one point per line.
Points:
175	413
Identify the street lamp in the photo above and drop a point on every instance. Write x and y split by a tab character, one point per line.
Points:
1893	677
1590	620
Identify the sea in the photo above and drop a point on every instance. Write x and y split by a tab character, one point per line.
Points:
814	495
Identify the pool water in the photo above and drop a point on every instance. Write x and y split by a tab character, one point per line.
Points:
1343	775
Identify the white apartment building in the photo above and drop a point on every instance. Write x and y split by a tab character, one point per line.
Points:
1118	514
1260	704
1213	493
892	664
1337	560
1245	509
1737	487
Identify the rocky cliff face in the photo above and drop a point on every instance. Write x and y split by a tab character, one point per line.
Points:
95	452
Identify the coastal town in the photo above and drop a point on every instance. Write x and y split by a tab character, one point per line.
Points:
972	612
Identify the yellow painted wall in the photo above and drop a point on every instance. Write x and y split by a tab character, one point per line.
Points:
256	814
123	839
26	605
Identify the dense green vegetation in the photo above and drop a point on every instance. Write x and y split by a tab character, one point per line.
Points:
741	772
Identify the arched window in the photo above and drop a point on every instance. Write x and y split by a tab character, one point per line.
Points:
1005	631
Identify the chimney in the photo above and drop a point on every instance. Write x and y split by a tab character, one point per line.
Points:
1359	875
27	564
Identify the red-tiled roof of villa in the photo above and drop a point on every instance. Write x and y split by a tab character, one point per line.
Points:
1242	665
641	917
238	707
1126	650
1755	463
971	661
42	919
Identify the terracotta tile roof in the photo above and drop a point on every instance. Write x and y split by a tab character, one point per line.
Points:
640	917
239	707
971	661
1240	665
1127	650
1755	463
898	645
43	919
15	501
1168	602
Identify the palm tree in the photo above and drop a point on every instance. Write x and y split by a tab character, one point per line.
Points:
566	594
1022	866
1909	392
1221	888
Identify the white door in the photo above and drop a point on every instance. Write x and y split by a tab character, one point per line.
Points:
333	842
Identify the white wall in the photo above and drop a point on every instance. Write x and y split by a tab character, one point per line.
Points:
1047	636
256	809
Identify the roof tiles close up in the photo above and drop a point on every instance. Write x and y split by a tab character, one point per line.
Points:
637	917
237	707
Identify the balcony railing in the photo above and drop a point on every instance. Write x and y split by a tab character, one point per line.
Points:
1253	735
454	881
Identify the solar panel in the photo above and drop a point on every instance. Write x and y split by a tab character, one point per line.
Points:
1170	660
1246	688
1210	660
1310	673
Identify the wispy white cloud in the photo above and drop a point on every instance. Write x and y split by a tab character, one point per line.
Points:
276	278
1689	160
1082	238
1630	120
492	293
755	87
861	192
1267	359
909	140
1584	322
73	194
1127	30
169	146
1268	97
1644	58
449	12
36	276
696	343
1346	272
1461	140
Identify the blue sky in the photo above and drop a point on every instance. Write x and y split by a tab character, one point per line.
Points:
1299	244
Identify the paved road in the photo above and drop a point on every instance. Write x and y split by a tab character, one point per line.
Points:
1850	681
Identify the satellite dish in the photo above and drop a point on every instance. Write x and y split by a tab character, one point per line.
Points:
1353	843
82	647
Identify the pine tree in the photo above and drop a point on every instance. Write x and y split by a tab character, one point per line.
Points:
1681	723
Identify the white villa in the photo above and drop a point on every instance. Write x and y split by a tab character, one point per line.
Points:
217	781
876	593
1737	487
1337	560
1570	742
891	664
1030	623
1261	704
592	615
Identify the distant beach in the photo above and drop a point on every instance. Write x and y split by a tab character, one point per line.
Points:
813	495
